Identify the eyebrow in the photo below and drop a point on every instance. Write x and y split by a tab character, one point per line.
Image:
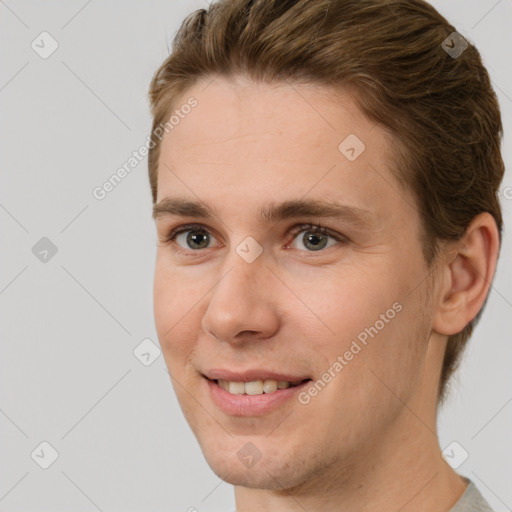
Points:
272	212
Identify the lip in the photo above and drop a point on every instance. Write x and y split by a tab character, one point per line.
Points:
251	405
252	375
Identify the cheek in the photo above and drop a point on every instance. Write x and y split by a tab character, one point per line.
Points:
376	375
174	304
346	303
175	291
164	300
390	364
373	319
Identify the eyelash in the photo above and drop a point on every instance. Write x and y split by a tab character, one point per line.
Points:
314	228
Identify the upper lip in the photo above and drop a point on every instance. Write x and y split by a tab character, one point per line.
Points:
251	375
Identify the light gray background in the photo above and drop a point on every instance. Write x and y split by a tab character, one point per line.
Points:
68	375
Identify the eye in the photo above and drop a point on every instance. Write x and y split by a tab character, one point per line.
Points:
316	237
192	237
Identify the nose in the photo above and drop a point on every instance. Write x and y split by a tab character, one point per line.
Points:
243	304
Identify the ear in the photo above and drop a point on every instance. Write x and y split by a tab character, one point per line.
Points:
468	266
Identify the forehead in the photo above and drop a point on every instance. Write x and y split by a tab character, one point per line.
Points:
269	143
285	119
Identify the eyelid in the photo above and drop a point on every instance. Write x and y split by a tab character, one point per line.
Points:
182	228
317	227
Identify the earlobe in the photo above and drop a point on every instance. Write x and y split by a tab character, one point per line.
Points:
468	267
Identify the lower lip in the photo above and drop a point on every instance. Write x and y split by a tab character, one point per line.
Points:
251	405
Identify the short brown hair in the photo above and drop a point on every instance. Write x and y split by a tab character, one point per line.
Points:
440	109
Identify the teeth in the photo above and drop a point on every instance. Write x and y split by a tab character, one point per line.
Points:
255	387
236	388
223	384
269	386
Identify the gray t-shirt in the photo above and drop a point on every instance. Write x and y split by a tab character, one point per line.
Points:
471	500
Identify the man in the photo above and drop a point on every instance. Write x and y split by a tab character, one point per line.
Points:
324	180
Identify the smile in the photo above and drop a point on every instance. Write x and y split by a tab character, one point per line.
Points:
252	398
255	387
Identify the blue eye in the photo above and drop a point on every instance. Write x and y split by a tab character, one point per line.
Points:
317	237
195	237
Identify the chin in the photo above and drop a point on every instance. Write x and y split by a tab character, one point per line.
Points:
257	477
274	472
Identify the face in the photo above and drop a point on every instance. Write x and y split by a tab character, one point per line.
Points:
255	292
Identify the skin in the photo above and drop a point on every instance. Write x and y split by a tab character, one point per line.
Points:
368	440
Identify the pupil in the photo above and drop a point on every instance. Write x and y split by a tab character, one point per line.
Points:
195	239
317	238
